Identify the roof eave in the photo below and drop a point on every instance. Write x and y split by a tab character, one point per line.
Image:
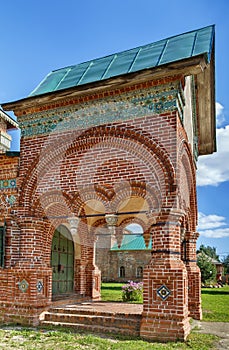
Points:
11	123
189	66
205	85
198	66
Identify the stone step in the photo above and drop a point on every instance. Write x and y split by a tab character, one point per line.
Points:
118	321
95	328
95	321
84	311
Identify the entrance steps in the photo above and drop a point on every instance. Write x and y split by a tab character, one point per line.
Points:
96	321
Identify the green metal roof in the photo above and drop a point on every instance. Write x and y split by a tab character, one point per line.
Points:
165	51
132	242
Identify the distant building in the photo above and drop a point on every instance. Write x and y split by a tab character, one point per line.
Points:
122	263
219	269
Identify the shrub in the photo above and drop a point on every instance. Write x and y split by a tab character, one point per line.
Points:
207	268
132	291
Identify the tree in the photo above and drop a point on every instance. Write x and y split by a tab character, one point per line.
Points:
209	251
207	268
226	264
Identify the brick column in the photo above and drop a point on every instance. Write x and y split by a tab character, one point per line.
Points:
96	275
194	277
165	308
29	280
92	273
80	279
32	242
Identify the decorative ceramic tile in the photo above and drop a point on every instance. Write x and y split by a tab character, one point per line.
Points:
151	101
23	285
11	200
163	292
40	286
11	183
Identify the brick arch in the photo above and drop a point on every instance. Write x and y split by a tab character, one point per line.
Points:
139	142
140	145
48	199
130	220
82	233
98	223
137	189
186	163
96	192
133	220
53	225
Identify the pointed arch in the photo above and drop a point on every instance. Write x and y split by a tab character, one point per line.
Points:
138	144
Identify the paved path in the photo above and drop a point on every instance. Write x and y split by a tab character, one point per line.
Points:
221	329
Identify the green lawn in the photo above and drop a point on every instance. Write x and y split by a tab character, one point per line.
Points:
215	304
111	291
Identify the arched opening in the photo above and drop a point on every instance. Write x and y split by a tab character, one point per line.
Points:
139	272
122	272
62	262
133	228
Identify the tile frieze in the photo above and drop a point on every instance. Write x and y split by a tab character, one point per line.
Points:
151	101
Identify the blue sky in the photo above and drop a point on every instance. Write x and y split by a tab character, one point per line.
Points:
40	36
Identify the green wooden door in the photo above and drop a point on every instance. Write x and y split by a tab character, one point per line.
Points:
62	262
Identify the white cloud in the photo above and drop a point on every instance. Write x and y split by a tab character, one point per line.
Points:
214	169
219	114
210	226
219	233
210	221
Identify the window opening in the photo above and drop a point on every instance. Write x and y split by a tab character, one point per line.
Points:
122	271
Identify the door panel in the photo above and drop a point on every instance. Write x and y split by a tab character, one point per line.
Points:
62	261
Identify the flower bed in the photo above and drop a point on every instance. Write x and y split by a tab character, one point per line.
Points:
132	291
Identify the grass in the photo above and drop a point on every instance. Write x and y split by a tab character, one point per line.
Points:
111	291
215	304
64	339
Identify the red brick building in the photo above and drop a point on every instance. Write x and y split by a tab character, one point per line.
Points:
106	143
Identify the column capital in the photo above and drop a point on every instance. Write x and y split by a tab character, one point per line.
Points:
191	236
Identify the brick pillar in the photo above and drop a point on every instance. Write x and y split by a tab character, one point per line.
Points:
29	280
96	276
194	277
80	277
92	273
32	242
165	307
